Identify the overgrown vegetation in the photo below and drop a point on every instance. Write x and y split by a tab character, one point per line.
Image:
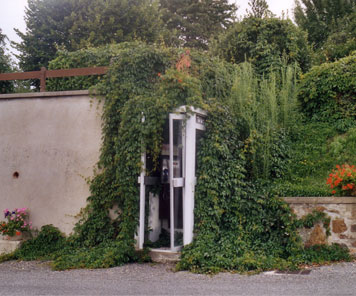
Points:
240	223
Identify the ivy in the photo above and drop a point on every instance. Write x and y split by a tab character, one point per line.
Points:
238	225
308	221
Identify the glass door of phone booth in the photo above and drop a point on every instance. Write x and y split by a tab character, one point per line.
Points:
176	178
170	216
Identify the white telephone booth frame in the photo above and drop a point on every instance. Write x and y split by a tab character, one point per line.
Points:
193	120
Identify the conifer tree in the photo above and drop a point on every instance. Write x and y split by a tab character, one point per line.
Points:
320	18
5	65
192	23
259	9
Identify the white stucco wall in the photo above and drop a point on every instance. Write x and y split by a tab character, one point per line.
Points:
52	140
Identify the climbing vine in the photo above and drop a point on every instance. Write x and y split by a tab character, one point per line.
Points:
238	226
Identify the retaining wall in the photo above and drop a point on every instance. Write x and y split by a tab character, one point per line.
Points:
341	210
49	145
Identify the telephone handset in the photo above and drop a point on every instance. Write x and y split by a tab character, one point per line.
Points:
165	171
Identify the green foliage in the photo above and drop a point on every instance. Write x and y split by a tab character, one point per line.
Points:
45	245
236	227
109	254
100	22
17	222
75	24
315	217
259	9
90	57
266	43
317	148
321	17
191	23
268	106
327	92
322	254
239	226
341	43
47	25
5	66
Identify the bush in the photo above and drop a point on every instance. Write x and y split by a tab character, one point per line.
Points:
327	92
266	43
45	245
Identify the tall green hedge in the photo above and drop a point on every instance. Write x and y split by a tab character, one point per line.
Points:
328	91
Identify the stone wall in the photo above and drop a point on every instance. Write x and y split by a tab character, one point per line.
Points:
49	145
341	210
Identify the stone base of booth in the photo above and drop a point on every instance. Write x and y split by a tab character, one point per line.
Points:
341	210
163	256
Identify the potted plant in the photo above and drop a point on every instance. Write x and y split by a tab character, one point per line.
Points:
17	224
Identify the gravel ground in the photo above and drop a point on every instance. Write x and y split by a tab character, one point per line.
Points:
36	278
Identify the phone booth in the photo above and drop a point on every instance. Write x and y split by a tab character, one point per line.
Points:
167	219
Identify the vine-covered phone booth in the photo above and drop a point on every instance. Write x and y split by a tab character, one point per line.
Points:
167	219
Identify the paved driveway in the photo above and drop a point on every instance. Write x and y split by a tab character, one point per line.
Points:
35	278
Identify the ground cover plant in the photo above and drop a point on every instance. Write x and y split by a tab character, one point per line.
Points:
324	134
239	223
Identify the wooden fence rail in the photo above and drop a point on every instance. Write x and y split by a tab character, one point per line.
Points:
44	73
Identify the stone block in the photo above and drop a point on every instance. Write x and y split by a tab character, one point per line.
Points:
339	226
353	228
353	211
334	211
320	208
343	236
317	237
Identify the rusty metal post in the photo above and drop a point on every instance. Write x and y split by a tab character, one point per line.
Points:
43	79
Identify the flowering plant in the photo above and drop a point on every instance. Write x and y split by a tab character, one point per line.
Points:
342	180
17	222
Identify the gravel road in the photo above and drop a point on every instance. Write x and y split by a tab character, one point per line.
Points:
36	278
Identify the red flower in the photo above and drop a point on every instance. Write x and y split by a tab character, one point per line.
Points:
333	192
159	74
18	232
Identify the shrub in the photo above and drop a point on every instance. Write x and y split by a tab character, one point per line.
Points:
266	43
45	245
327	92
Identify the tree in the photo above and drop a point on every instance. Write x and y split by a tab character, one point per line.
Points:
321	17
341	43
265	43
5	65
74	24
99	22
259	9
193	22
47	27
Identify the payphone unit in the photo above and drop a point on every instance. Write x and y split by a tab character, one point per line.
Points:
172	211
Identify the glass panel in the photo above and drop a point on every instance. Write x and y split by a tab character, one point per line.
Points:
177	148
178	216
198	136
